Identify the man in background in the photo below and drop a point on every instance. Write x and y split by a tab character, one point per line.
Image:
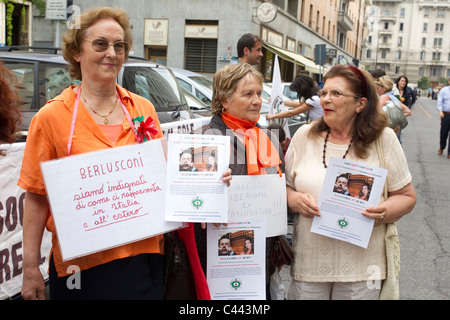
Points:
249	49
443	106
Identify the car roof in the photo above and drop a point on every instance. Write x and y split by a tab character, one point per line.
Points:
186	73
51	55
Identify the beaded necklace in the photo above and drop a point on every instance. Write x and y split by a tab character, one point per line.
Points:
325	149
105	120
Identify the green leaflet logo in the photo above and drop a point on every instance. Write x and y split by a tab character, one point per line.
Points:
236	284
197	203
342	223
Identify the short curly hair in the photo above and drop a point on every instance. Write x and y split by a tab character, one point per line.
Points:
225	83
74	37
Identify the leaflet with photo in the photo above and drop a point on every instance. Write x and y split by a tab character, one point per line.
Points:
195	166
236	261
348	189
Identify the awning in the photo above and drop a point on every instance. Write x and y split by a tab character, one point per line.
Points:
296	58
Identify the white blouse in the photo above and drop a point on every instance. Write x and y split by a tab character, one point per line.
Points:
322	259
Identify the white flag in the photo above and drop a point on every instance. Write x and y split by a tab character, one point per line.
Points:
277	98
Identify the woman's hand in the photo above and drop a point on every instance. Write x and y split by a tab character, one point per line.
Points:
269	116
377	213
33	284
227	177
303	203
397	204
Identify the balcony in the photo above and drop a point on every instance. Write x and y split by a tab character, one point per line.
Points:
385	45
344	21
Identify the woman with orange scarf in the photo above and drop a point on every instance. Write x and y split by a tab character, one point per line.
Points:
236	104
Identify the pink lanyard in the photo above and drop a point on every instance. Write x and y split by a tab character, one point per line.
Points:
74	118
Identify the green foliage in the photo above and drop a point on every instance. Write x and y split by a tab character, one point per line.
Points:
9	25
423	82
40	4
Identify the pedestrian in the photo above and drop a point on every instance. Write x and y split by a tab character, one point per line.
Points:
387	99
249	49
443	106
406	94
10	116
323	267
236	105
377	73
309	101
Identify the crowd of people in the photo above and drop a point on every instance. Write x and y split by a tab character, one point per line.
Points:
346	120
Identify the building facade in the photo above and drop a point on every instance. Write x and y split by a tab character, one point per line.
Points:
409	37
201	35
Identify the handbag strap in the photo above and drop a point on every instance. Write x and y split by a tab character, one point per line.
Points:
382	163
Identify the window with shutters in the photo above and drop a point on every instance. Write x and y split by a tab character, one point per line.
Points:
201	55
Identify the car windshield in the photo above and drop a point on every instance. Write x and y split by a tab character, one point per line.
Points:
203	81
155	84
291	94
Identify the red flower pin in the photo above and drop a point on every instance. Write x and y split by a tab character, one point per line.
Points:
146	129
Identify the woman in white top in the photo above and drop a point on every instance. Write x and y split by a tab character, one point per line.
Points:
309	101
323	267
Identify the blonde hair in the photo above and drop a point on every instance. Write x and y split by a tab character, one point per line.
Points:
385	82
225	83
74	37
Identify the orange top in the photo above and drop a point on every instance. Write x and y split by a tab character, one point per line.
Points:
47	139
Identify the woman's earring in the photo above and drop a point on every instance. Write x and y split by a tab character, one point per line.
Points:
224	110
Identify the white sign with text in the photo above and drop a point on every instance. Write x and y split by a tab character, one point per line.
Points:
259	197
108	198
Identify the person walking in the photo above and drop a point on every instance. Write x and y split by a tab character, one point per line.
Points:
443	107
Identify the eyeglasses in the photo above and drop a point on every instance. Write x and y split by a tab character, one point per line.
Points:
101	45
335	94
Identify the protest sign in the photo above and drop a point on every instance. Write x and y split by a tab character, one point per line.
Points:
108	198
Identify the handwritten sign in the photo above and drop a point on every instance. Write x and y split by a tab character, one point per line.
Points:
261	197
108	198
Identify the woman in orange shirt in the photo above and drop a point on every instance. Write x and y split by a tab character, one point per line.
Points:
95	115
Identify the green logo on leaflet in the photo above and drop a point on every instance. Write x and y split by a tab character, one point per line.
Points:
236	284
342	223
197	203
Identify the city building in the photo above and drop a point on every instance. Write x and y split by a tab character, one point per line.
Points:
409	37
201	35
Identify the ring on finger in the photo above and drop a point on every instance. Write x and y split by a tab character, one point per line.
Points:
382	215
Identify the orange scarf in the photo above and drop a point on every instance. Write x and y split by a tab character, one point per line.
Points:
260	151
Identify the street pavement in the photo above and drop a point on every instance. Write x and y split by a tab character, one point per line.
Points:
424	233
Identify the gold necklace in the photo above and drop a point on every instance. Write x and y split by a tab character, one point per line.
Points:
105	120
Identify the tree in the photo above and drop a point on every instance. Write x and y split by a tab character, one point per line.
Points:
423	82
444	81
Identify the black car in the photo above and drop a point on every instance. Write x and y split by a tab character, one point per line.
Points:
42	74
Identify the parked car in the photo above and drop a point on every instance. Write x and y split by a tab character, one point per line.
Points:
197	107
42	74
199	85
